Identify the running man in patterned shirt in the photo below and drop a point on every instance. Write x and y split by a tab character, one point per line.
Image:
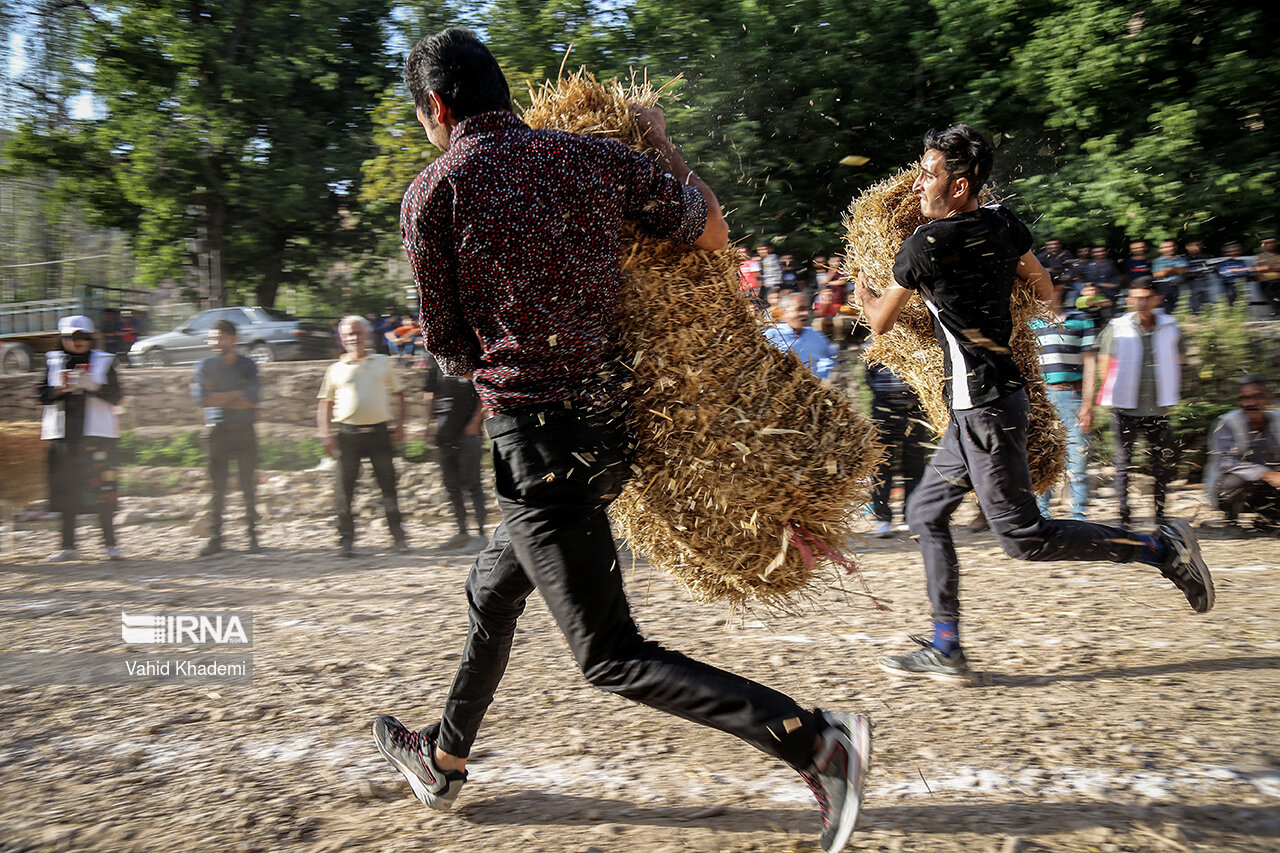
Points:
533	328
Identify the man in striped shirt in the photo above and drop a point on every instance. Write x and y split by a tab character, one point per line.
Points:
963	263
1068	355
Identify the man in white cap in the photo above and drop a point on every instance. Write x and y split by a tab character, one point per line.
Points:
79	392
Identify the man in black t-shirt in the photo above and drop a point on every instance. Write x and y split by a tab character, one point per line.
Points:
963	263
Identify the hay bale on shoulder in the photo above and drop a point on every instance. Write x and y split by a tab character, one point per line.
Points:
748	469
876	224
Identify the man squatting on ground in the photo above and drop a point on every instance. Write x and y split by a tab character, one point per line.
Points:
226	386
1243	474
533	326
356	398
964	262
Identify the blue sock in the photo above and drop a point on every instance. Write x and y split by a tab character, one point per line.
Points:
1152	551
946	637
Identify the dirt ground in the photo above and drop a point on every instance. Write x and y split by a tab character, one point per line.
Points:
1106	716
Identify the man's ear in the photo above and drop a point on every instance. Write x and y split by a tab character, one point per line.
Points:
960	187
439	111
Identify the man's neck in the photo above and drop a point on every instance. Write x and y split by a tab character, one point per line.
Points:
229	356
1147	321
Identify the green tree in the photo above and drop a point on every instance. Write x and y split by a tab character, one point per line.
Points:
243	124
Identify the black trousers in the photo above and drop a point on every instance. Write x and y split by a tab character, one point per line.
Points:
356	443
1159	438
985	449
460	470
901	422
238	441
555	474
1237	495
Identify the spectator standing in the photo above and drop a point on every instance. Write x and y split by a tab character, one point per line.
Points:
558	427
905	432
794	335
1243	473
1235	273
1141	362
770	268
1068	358
1200	277
1055	259
454	427
749	276
1169	270
359	396
114	332
1103	274
790	275
79	393
226	386
1266	268
1073	273
1137	265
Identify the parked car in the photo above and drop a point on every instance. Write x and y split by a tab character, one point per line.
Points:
266	335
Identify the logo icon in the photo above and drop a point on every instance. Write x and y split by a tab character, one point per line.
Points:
186	629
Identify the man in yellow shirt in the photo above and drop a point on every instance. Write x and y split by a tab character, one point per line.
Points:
355	408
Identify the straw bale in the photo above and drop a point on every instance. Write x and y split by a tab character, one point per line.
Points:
23	464
747	468
876	224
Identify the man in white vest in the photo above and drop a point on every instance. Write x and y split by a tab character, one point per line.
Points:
1243	474
1141	364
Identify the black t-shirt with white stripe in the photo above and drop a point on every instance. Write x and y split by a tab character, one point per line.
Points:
964	267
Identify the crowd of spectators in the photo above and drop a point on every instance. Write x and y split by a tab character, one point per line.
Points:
1110	339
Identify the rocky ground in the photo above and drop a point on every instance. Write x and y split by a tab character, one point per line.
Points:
1106	716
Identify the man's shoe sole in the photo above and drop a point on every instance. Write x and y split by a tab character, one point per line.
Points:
420	790
948	678
1202	568
859	728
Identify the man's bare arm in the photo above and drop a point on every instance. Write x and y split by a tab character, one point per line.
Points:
715	234
1033	272
881	312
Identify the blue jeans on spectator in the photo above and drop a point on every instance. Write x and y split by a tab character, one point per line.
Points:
1067	402
405	348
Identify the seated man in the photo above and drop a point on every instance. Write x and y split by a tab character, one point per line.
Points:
1243	474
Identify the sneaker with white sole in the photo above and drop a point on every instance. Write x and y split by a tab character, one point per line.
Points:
1184	565
113	553
838	775
66	555
928	662
411	753
884	529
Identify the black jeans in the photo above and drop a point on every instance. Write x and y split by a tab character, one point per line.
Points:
1237	495
372	442
555	473
901	422
238	441
460	470
1159	436
985	449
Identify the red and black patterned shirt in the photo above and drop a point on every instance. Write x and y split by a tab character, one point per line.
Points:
514	237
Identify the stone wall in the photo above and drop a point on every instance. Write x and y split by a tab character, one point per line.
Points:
158	397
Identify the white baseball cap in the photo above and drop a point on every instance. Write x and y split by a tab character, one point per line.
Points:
75	323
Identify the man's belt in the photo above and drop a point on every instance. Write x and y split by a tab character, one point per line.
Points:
1065	386
350	428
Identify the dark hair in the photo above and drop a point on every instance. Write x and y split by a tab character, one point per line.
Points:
226	327
1253	379
457	66
966	153
1143	282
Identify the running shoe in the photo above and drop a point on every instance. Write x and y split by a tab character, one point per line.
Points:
928	662
838	775
411	753
1184	565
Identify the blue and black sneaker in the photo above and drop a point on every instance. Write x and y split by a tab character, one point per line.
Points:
928	662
